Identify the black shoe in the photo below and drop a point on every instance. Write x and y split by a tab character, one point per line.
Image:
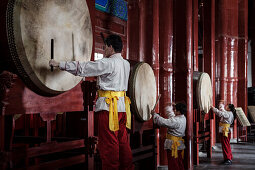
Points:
228	162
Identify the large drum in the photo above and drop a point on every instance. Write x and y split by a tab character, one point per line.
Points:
142	90
30	26
202	91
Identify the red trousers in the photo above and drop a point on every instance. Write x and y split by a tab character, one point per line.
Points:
226	148
175	163
113	147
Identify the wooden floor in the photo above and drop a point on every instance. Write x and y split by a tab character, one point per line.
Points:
243	158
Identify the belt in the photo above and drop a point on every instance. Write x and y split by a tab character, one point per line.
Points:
111	98
176	142
225	128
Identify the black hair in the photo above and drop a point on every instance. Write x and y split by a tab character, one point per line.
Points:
232	109
114	41
181	107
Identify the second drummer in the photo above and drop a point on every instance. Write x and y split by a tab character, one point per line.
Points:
174	144
112	106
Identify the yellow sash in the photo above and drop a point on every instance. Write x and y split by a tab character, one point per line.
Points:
176	142
111	98
225	128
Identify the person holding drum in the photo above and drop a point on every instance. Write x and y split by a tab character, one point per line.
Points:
112	105
227	116
174	144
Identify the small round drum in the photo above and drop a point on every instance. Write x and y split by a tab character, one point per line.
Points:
32	24
202	91
142	90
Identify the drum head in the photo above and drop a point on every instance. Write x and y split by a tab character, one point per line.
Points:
204	92
32	24
142	90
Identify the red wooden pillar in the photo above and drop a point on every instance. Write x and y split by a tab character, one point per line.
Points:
155	59
252	38
242	56
209	52
166	64
133	34
242	53
195	35
145	30
228	42
142	29
253	58
184	69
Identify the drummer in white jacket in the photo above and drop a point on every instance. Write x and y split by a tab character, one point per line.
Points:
174	144
112	105
227	116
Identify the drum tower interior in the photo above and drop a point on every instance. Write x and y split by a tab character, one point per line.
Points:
180	40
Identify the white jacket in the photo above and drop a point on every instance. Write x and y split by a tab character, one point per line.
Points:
225	117
112	72
176	126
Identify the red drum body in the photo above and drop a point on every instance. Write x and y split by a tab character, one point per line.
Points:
30	26
142	90
202	90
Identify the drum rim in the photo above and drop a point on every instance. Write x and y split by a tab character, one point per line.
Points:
198	98
27	74
12	38
132	90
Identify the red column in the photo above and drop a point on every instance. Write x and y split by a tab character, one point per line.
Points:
209	52
252	38
166	64
142	29
184	69
195	35
242	55
228	42
155	58
133	34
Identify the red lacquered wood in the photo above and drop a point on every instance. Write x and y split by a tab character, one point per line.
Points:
184	69
132	31
242	56
195	35
209	52
166	64
228	42
155	61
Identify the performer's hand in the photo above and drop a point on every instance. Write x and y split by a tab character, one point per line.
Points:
153	112
53	63
213	108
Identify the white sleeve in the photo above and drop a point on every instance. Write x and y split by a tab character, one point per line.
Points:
220	113
169	123
88	69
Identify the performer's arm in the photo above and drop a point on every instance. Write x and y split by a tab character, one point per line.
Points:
170	123
87	69
220	113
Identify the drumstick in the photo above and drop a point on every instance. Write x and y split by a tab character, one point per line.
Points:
52	53
73	46
156	103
